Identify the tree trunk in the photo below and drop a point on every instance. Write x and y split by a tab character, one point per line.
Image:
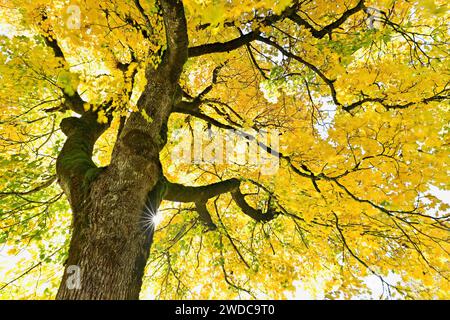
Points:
112	206
110	245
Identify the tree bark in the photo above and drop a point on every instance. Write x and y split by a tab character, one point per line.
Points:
112	206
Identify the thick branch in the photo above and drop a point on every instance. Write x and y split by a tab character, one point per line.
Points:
219	47
180	193
136	153
200	195
204	215
176	33
74	166
255	214
245	39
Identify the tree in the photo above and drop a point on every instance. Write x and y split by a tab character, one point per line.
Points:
98	96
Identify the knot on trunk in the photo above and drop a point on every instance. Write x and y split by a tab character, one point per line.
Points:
141	143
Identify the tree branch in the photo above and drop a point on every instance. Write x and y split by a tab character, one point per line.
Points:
176	33
245	39
74	102
40	187
74	165
218	47
180	193
442	96
204	215
255	214
329	28
329	82
200	195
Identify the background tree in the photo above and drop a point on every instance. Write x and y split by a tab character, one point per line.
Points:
94	94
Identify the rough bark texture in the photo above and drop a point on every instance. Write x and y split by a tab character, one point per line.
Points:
109	243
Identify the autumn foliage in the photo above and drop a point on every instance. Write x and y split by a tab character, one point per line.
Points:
356	90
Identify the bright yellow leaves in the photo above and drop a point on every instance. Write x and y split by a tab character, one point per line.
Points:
359	194
68	82
101	118
434	7
218	12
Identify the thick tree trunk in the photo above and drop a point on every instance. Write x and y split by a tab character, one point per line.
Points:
111	236
112	206
110	245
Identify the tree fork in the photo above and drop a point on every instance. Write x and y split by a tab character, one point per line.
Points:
110	242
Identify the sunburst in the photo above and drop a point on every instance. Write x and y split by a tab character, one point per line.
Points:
151	218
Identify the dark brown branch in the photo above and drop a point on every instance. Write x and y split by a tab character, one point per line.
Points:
330	83
219	47
255	214
387	106
200	195
185	109
176	33
192	108
309	65
215	75
180	193
245	39
143	14
192	105
204	215
254	62
329	28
